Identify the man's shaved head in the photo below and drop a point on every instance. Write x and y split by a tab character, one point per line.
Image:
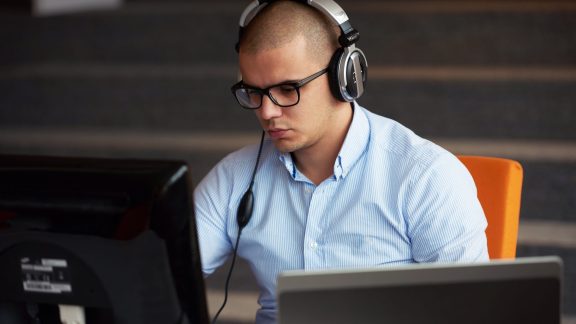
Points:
282	21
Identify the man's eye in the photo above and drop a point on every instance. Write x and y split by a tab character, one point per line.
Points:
252	91
287	88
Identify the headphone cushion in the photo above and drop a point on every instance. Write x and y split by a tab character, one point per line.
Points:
333	74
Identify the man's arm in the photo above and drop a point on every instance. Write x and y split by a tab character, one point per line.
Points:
211	201
445	219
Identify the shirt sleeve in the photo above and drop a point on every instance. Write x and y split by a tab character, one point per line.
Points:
211	201
445	220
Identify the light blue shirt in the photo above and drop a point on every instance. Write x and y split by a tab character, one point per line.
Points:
394	198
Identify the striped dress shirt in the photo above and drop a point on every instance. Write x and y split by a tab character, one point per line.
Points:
394	198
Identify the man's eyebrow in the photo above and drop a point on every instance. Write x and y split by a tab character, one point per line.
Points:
273	85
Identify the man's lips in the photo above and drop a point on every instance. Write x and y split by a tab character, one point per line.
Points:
277	132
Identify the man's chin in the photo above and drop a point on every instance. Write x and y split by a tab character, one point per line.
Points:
285	146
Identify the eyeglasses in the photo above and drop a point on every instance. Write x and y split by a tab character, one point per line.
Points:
284	94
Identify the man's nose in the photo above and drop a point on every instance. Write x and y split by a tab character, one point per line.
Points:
269	109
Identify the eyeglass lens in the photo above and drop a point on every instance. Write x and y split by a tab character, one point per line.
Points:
282	95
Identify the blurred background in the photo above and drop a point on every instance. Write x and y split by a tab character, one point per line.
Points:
151	78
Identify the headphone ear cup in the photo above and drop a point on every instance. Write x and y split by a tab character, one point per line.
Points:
356	74
333	74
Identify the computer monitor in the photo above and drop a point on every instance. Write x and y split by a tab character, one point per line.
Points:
115	236
523	290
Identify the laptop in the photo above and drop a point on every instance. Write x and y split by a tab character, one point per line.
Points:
522	290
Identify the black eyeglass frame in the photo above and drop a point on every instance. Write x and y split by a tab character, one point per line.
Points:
297	85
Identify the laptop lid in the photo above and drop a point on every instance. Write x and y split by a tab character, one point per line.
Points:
523	290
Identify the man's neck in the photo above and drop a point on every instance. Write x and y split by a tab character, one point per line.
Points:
317	162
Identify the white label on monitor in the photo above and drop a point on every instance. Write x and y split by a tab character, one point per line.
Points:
45	275
55	263
46	287
32	267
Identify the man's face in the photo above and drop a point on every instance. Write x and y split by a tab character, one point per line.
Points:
306	124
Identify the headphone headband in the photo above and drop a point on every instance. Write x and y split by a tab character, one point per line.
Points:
330	8
347	69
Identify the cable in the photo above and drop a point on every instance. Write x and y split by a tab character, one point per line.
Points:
243	216
228	277
257	160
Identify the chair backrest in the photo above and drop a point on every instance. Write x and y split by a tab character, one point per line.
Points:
499	184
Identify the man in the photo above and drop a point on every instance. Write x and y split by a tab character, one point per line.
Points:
336	185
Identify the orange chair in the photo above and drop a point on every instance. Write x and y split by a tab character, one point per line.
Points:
499	184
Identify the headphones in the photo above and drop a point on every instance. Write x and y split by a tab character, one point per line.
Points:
348	68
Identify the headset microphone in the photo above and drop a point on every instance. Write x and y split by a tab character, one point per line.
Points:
245	209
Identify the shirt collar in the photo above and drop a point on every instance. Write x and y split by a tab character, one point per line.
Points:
354	145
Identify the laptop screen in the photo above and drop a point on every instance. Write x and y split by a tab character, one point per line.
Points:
523	290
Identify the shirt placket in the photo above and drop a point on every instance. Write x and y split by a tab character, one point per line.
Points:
313	249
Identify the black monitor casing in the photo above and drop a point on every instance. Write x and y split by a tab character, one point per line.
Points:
117	237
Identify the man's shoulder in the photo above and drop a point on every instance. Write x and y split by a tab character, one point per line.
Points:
400	143
413	157
242	155
232	171
244	158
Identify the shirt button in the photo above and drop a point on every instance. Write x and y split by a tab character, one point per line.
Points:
308	190
313	245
